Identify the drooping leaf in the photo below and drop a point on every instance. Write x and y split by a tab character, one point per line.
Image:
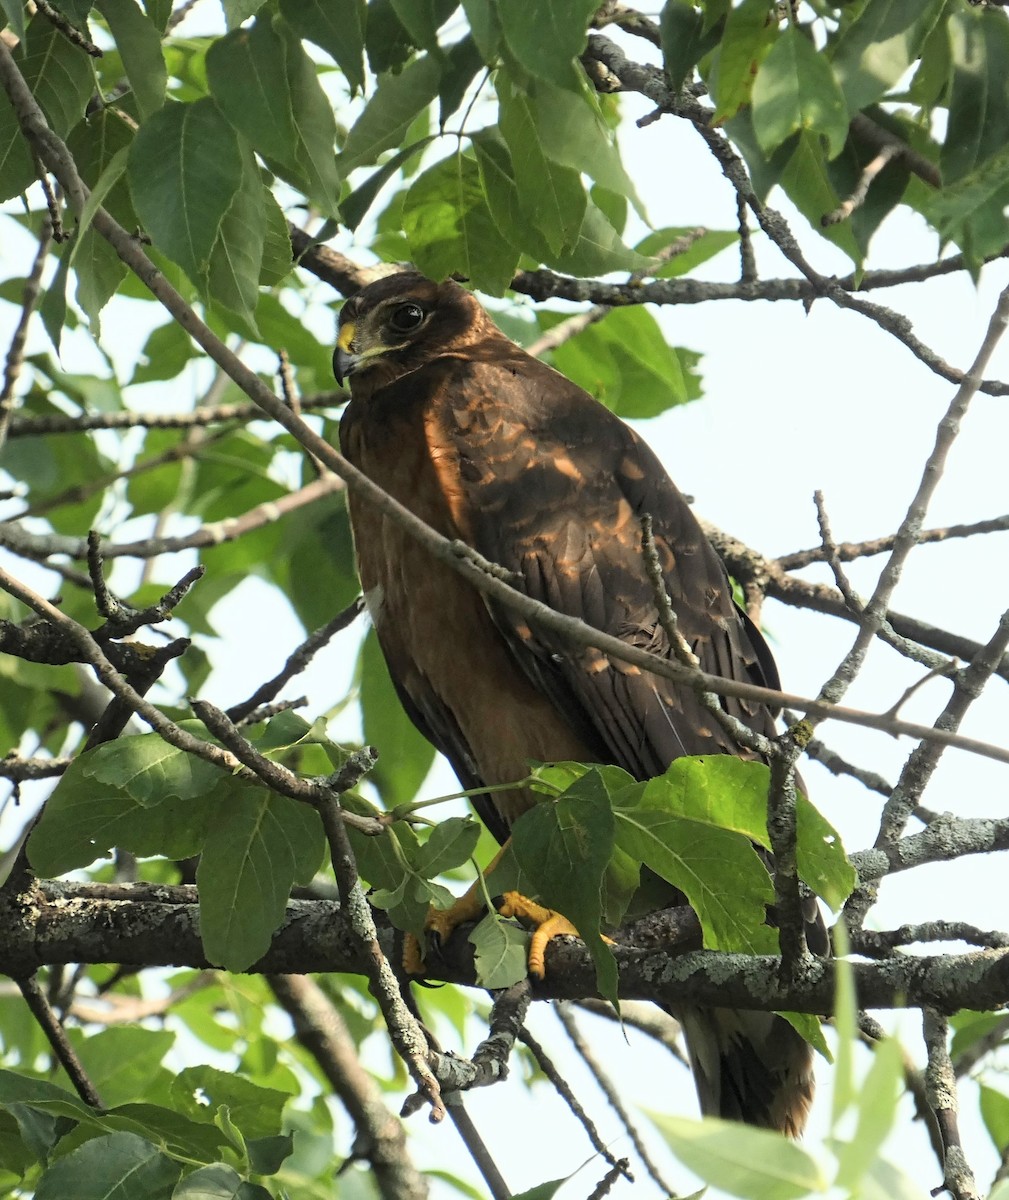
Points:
877	1107
795	90
451	843
340	32
749	31
563	847
139	44
258	846
185	169
878	46
681	27
218	1182
978	99
546	40
390	111
550	194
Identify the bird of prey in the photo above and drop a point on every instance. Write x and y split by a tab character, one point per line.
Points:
489	445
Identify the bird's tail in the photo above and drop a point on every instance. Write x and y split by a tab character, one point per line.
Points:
749	1066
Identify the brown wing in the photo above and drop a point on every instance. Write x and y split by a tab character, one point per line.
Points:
554	488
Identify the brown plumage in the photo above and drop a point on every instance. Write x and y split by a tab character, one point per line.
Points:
487	444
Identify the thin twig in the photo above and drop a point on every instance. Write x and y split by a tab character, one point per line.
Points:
566	1093
57	1038
16	350
940	1088
572	1029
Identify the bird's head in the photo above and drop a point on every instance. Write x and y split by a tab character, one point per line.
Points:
399	323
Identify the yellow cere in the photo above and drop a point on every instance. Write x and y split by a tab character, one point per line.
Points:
346	336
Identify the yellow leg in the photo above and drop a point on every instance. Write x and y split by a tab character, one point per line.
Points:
442	921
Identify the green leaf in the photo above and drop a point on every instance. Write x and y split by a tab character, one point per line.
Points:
546	40
218	1182
390	112
451	230
451	843
120	1166
84	820
60	77
257	847
484	26
148	769
202	1092
404	756
697	858
462	62
978	99
749	31
267	1154
124	1063
237	257
497	175
543	1191
995	1114
166	353
597	250
268	89
624	361
808	185
186	166
971	212
139	44
754	1164
876	49
500	952
794	90
681	28
338	31
420	20
278	259
14	11
354	206
846	1024
550	194
698	249
563	847
877	1108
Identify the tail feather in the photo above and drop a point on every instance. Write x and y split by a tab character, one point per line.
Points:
749	1066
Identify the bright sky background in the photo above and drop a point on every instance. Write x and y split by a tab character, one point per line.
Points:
793	402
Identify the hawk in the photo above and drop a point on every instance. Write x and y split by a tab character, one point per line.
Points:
487	444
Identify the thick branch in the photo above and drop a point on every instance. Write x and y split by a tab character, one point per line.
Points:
49	925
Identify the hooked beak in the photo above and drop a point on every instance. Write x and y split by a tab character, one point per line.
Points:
345	362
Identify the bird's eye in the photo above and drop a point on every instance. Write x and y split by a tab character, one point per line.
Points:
406	318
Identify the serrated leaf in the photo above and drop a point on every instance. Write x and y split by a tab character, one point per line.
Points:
551	195
794	90
268	88
547	45
185	169
876	49
451	230
120	1166
500	952
563	847
754	1164
258	846
139	44
390	111
340	32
